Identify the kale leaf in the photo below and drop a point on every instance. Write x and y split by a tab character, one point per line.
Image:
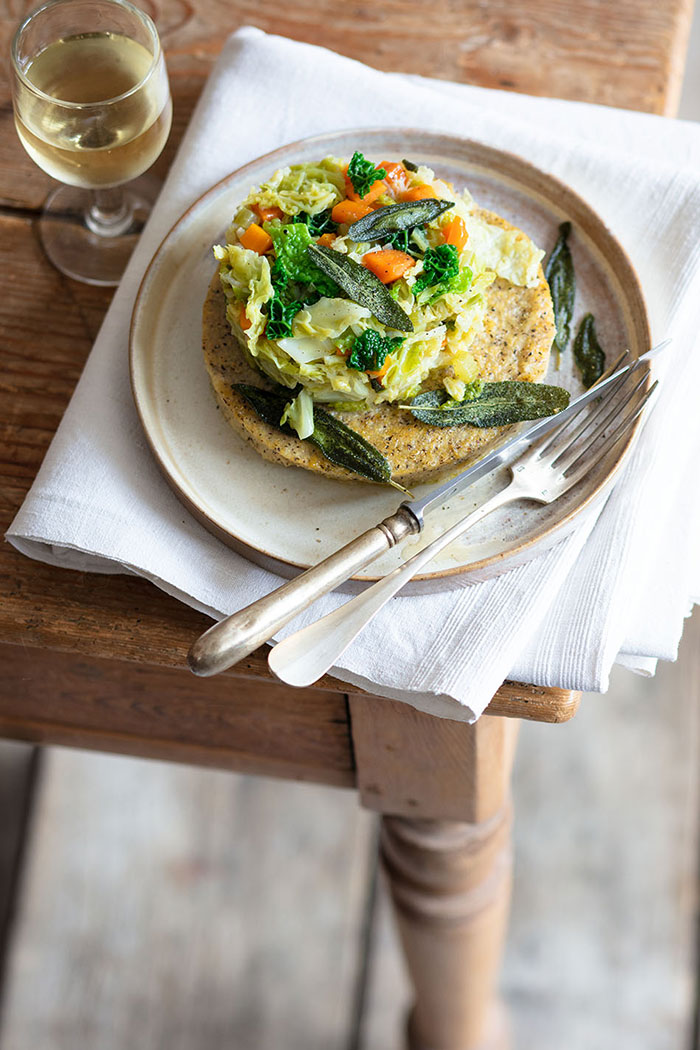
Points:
403	242
363	174
400	241
370	349
440	267
281	312
293	262
317	224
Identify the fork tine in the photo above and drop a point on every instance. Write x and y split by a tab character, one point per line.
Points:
560	459
620	430
563	439
545	441
614	367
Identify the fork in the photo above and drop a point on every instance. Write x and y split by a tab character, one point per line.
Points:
544	472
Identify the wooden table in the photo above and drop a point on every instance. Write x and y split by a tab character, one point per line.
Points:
98	661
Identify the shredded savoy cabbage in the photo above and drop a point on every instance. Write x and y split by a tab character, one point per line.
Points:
302	331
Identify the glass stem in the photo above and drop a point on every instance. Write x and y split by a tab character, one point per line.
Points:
110	213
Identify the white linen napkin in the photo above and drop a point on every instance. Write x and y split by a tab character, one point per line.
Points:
617	588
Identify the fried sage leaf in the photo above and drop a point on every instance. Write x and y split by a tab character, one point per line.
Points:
562	285
588	353
497	405
337	442
361	286
395	217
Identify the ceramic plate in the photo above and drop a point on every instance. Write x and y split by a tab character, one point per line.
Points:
286	519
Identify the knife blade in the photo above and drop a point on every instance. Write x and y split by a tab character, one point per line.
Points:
239	634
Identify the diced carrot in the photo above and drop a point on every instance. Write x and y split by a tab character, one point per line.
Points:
244	320
388	362
388	265
376	190
326	240
455	232
256	239
350	211
265	214
418	193
396	176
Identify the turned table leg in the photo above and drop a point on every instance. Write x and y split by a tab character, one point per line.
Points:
442	788
450	884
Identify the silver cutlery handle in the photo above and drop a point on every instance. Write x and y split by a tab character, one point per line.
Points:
304	656
238	635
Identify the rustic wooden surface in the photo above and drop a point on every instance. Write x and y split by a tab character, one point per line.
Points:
149	884
237	722
97	615
225	721
94	615
463	770
630	54
601	948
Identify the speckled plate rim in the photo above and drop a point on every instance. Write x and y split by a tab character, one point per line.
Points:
559	197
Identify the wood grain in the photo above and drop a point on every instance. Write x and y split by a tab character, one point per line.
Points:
168	907
116	617
450	886
230	722
601	945
625	54
602	912
629	54
443	789
413	765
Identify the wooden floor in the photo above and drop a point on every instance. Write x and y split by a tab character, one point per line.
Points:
167	907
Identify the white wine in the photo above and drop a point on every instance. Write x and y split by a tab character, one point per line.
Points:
108	133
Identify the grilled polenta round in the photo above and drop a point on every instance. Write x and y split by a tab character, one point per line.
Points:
513	342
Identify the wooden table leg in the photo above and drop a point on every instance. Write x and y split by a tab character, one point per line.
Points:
443	790
450	884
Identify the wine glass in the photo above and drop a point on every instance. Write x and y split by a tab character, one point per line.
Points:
93	109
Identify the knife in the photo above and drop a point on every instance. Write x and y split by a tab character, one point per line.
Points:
238	635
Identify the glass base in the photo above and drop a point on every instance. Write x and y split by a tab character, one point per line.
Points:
72	245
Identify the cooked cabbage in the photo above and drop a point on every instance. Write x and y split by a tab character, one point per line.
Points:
245	278
446	316
509	253
302	187
411	364
299	413
329	318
